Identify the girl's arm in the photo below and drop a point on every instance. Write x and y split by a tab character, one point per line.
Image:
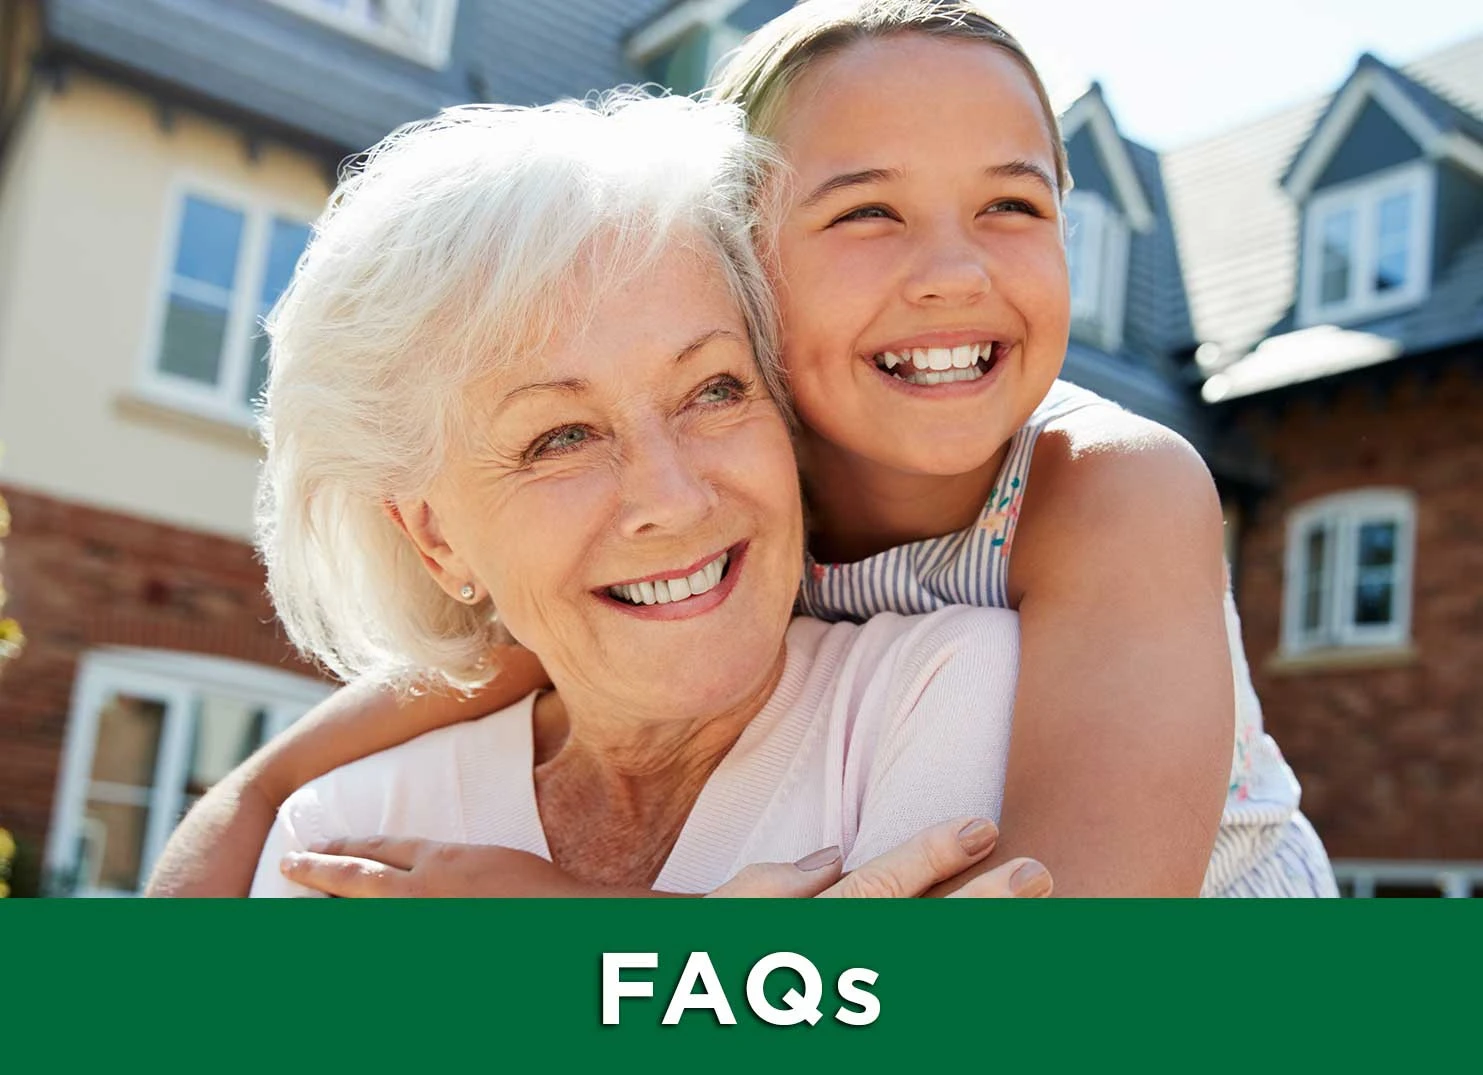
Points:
1124	714
215	849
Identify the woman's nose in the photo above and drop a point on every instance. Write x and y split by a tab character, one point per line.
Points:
664	488
949	268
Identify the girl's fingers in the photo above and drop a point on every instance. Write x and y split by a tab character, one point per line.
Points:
337	875
401	852
933	855
809	876
1016	879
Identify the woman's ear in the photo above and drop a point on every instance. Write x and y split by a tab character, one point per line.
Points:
419	522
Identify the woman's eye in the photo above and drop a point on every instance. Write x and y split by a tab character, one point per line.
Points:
558	441
866	212
721	390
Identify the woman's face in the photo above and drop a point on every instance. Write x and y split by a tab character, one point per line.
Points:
922	222
614	473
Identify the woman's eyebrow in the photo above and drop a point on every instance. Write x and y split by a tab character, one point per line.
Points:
845	180
572	386
702	340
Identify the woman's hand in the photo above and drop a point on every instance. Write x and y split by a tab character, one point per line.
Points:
382	866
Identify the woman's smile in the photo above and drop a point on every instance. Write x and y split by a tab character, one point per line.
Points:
679	595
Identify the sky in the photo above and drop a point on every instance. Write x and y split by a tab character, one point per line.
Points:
1175	72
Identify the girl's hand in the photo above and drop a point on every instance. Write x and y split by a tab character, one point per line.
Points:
382	866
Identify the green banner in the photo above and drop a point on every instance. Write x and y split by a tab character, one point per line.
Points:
786	985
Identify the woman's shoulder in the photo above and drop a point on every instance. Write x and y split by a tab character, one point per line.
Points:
413	787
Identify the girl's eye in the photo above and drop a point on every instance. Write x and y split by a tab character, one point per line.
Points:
1013	205
726	389
557	442
866	212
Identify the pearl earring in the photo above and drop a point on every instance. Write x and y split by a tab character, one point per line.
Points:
467	593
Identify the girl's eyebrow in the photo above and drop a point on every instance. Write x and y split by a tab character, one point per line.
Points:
1015	169
1023	169
845	180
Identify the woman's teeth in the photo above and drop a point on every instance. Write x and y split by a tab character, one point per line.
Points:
938	365
665	591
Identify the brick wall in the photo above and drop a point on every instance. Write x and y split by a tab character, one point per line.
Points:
79	578
1391	759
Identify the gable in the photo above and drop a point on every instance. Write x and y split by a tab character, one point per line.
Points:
1375	141
1088	172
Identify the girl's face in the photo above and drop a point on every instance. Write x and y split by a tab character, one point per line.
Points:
922	272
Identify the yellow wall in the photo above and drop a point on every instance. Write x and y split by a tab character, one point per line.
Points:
86	207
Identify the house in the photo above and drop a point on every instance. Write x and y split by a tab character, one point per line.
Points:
1302	297
1333	262
160	162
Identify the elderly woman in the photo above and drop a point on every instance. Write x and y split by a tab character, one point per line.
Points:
523	386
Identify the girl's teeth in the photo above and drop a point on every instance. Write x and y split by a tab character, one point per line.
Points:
664	591
965	356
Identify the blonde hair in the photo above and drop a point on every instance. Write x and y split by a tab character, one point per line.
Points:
457	245
759	74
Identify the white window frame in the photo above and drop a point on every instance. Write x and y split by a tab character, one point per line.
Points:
351	20
174	679
1451	880
1343	514
1097	312
224	401
1363	197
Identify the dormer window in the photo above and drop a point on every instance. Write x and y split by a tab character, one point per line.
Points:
681	48
1367	246
420	30
1097	259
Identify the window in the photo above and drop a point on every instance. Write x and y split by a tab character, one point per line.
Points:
149	733
421	30
228	267
687	66
1367	249
1097	260
1400	880
1348	580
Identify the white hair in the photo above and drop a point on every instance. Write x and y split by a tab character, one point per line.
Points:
456	245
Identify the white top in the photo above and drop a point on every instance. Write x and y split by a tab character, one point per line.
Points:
875	732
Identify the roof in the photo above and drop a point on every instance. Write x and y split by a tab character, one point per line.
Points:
1237	234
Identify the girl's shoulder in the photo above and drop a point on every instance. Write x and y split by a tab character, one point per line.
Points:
1105	478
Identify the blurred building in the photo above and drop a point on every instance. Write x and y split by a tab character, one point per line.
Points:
1302	298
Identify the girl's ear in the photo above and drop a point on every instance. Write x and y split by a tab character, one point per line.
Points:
419	522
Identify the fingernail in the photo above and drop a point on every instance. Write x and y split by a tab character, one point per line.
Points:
1031	879
977	836
827	856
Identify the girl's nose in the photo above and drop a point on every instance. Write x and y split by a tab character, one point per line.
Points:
950	269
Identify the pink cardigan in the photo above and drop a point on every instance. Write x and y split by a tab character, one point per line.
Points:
874	732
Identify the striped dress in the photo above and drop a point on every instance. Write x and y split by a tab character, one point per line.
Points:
1265	846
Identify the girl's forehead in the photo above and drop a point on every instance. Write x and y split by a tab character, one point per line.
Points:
910	87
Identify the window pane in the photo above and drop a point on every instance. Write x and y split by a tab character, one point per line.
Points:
113	845
1374	588
286	242
1315	548
194	334
1336	257
1078	250
226	732
128	741
1393	243
210	237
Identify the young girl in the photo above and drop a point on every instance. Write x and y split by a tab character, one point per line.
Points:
918	252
